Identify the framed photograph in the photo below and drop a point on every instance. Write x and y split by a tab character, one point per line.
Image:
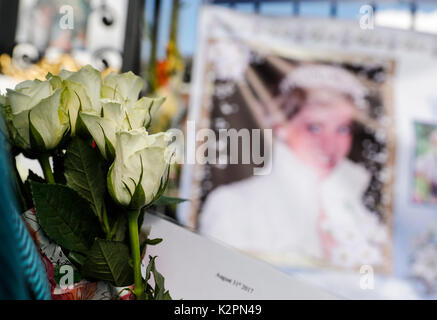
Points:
323	192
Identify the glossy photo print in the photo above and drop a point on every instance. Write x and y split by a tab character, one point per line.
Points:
327	200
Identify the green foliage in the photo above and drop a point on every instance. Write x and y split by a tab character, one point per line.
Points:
108	260
25	190
150	242
156	292
76	258
65	216
168	201
85	173
119	228
153	242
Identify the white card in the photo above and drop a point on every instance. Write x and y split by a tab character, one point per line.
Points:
195	267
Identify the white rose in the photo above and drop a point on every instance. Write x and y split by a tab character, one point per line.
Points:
120	110
37	115
122	88
140	169
82	92
114	118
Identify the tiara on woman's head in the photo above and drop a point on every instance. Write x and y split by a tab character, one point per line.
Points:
318	76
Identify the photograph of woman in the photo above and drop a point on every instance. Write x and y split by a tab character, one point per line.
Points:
309	210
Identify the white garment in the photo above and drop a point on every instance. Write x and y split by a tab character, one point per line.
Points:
277	214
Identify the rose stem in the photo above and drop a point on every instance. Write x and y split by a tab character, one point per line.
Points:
135	251
46	168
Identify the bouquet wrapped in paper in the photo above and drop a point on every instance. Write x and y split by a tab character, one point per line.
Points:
102	168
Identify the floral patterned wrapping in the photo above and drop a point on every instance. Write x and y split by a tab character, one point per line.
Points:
54	258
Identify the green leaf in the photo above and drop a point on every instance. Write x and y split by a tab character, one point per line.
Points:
163	185
120	226
65	216
159	292
150	242
138	199
109	148
168	201
77	258
149	268
32	176
85	173
27	194
159	284
153	242
167	296
108	261
117	217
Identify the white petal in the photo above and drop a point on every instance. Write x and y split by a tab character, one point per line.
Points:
123	87
98	127
50	119
72	103
141	112
19	102
113	111
20	122
82	95
91	80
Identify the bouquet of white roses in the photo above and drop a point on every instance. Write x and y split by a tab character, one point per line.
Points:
106	169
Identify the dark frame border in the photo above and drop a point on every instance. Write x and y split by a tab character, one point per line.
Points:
8	25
